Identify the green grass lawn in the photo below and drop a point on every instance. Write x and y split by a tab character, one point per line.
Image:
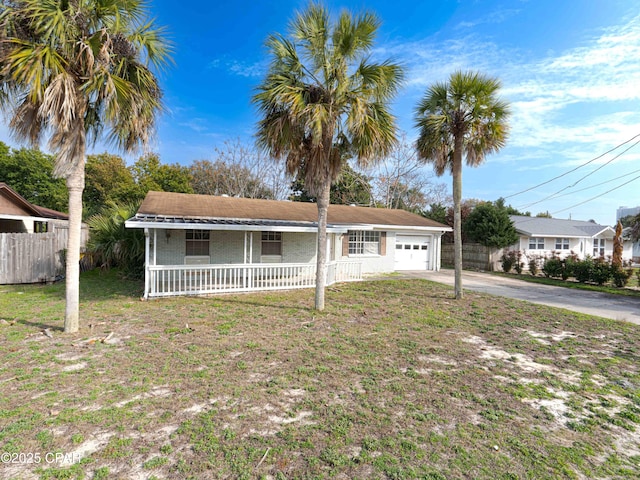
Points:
396	379
631	290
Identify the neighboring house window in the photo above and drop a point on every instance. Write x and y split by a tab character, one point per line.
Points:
197	242
598	247
562	244
40	227
536	243
271	243
364	243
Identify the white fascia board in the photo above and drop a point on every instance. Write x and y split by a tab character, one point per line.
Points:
241	228
549	235
605	230
398	228
27	217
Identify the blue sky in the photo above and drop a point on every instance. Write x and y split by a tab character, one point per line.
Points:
569	68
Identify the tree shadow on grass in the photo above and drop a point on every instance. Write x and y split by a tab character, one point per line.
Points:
40	325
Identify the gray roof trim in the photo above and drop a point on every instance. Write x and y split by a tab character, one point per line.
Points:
201	223
185	223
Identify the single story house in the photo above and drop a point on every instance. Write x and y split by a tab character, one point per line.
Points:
202	244
543	236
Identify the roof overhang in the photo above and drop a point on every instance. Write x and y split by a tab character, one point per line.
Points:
252	225
6	216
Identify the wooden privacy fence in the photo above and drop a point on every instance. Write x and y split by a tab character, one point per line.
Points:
29	257
474	256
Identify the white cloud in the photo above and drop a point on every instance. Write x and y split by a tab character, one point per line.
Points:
241	68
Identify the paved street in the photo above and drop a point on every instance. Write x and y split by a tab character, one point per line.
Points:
616	307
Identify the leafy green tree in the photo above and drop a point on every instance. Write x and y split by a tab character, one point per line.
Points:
490	225
323	96
629	220
151	175
437	212
107	179
71	70
113	245
501	203
30	173
220	178
351	187
461	117
634	225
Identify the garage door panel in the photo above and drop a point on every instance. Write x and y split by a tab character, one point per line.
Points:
412	252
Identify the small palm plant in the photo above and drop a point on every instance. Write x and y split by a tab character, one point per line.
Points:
113	245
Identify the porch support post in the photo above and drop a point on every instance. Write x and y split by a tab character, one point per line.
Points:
155	242
146	263
437	240
244	255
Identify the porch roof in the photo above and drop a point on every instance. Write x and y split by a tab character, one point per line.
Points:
181	223
179	210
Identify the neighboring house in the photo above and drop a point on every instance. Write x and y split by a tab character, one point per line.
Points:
631	249
200	244
32	239
17	215
544	236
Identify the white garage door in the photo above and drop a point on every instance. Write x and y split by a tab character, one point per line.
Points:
412	252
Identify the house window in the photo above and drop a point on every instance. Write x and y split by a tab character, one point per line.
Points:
562	244
40	227
271	243
536	243
197	242
364	243
598	247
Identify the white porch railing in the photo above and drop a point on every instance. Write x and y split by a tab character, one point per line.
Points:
172	280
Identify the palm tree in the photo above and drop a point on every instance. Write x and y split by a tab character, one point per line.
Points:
462	116
69	69
322	98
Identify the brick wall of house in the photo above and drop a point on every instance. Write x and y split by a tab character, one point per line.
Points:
228	247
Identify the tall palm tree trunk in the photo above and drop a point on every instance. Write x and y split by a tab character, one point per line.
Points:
75	185
457	216
74	146
321	264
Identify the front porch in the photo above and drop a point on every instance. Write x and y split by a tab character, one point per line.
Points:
174	280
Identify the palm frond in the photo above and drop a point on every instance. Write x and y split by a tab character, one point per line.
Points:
322	95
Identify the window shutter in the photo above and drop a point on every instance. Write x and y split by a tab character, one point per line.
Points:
345	245
383	243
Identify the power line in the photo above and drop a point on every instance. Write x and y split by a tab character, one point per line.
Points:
573	169
556	194
597	196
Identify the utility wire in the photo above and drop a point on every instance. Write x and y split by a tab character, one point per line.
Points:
597	196
573	169
556	194
560	194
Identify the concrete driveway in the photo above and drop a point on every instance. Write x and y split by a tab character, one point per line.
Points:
616	307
